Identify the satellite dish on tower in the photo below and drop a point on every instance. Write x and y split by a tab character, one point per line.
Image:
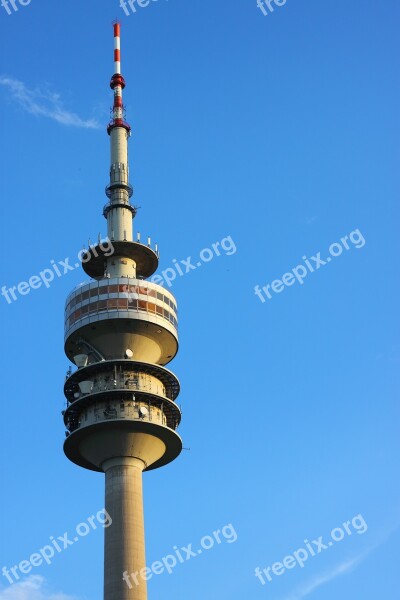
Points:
81	360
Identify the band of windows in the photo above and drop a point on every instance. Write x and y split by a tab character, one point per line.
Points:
118	289
120	304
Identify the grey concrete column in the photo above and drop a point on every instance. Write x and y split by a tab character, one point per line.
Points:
124	538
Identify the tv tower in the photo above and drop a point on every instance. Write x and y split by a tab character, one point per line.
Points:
121	331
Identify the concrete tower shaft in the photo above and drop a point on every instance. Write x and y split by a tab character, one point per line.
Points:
120	331
124	499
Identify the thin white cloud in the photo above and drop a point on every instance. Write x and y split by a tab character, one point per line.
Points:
44	103
306	589
343	568
33	588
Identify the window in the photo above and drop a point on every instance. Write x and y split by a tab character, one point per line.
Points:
128	289
122	303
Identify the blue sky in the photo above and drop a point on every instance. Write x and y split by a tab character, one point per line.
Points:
280	131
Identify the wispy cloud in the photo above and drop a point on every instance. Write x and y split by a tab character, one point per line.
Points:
33	588
44	103
307	588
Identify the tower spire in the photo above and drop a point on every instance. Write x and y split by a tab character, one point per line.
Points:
118	83
117	47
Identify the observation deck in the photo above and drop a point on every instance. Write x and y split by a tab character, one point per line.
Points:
111	402
120	313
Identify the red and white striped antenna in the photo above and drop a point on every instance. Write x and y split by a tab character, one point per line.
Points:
117	84
117	47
